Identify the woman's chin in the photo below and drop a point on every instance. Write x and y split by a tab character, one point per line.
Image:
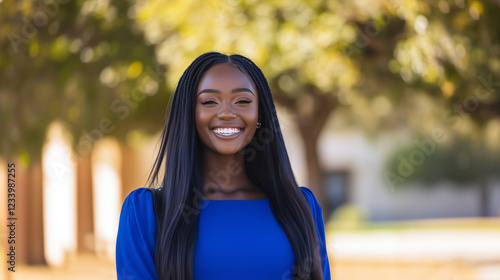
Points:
227	152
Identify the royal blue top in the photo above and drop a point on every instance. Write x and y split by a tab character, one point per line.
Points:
238	239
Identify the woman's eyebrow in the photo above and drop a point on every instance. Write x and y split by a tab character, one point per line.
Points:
242	89
209	90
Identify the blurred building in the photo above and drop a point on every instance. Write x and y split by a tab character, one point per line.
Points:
354	169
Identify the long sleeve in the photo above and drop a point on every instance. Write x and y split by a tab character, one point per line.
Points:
320	230
135	243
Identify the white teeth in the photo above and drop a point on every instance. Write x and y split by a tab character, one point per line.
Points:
226	131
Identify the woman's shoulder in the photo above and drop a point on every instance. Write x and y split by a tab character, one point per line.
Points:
140	194
309	195
140	199
311	199
306	191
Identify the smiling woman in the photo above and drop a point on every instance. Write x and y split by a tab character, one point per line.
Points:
228	205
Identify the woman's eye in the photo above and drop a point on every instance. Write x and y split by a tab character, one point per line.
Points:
243	101
208	102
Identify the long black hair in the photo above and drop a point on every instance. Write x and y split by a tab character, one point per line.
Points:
177	195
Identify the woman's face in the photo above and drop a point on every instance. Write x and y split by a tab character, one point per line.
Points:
227	109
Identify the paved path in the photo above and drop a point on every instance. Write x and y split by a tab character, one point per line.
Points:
418	245
443	255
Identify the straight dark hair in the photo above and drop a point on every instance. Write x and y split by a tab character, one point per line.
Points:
178	196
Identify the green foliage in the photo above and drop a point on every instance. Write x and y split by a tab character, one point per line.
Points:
461	161
83	63
372	57
370	62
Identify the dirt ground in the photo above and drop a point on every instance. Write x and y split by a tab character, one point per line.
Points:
82	267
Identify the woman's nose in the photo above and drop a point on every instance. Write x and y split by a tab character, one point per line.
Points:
226	112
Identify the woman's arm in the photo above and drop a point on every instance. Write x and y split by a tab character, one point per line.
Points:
320	230
135	242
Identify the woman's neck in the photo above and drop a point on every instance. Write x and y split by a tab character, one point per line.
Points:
226	178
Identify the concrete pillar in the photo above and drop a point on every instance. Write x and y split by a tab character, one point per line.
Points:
106	182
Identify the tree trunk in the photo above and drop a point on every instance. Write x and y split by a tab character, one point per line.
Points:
85	213
312	110
29	210
314	170
311	123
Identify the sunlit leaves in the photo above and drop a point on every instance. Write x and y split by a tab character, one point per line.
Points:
277	35
70	60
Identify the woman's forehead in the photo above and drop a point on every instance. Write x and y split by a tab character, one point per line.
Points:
225	75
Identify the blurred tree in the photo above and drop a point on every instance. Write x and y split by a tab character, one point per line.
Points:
83	63
417	56
449	60
368	61
451	49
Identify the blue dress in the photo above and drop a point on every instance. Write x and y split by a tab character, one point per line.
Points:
238	239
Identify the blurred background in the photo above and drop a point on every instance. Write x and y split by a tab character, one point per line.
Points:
390	111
